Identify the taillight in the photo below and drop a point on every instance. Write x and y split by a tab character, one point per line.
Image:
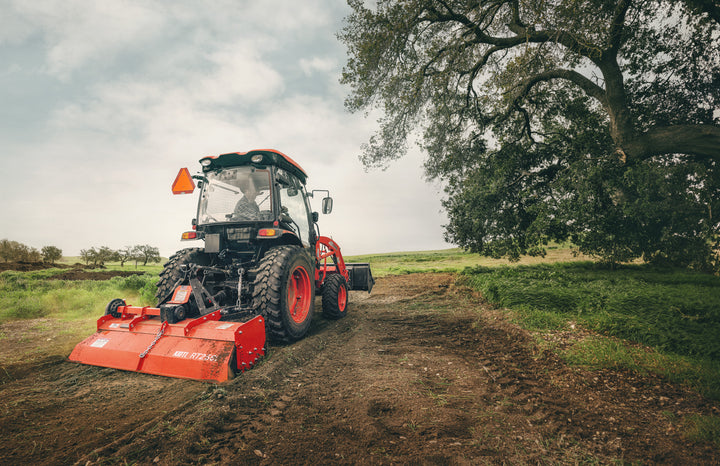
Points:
189	235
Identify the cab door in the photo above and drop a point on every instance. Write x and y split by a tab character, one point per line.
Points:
294	210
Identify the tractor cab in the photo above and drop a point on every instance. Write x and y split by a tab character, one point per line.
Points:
251	198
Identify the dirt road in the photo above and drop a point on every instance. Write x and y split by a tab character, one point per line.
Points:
421	372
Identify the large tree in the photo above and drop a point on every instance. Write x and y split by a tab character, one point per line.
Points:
550	119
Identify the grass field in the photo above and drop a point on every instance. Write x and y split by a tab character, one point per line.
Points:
27	295
453	260
153	268
640	318
628	310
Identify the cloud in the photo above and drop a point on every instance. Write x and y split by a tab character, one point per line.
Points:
81	33
317	64
174	104
78	32
15	26
288	15
238	76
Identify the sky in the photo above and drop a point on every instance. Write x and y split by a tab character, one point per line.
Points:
103	102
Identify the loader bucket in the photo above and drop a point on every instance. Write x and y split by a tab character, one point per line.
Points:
204	348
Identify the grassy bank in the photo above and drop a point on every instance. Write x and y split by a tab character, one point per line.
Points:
675	312
151	268
453	260
28	295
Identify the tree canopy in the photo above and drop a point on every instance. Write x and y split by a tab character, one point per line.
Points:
145	253
139	253
51	254
15	251
98	256
597	121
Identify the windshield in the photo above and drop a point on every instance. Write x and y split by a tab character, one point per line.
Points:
240	194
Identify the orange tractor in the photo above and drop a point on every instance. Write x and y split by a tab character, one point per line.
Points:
263	263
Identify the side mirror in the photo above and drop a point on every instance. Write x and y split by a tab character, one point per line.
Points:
327	204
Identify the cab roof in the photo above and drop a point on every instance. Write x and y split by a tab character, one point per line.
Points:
266	157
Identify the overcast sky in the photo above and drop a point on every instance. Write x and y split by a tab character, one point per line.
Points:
103	102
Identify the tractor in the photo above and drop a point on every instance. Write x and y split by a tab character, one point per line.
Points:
263	263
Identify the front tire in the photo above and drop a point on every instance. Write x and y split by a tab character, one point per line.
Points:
284	292
334	297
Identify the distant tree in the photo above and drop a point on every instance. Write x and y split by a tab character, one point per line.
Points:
6	249
99	256
87	255
51	254
126	254
146	253
105	254
33	255
15	251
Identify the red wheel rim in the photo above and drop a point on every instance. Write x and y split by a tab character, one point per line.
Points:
342	298
299	291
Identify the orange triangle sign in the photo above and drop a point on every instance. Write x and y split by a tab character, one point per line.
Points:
183	183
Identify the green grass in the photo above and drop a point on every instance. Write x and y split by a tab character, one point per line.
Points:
451	260
676	312
703	428
600	352
27	295
153	269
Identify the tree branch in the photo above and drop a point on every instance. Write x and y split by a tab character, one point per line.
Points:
590	88
617	25
701	141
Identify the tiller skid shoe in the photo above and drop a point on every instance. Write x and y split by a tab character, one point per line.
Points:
204	348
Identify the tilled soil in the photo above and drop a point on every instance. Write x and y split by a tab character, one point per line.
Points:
419	372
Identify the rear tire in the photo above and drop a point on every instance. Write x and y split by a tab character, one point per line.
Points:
334	297
172	271
284	292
